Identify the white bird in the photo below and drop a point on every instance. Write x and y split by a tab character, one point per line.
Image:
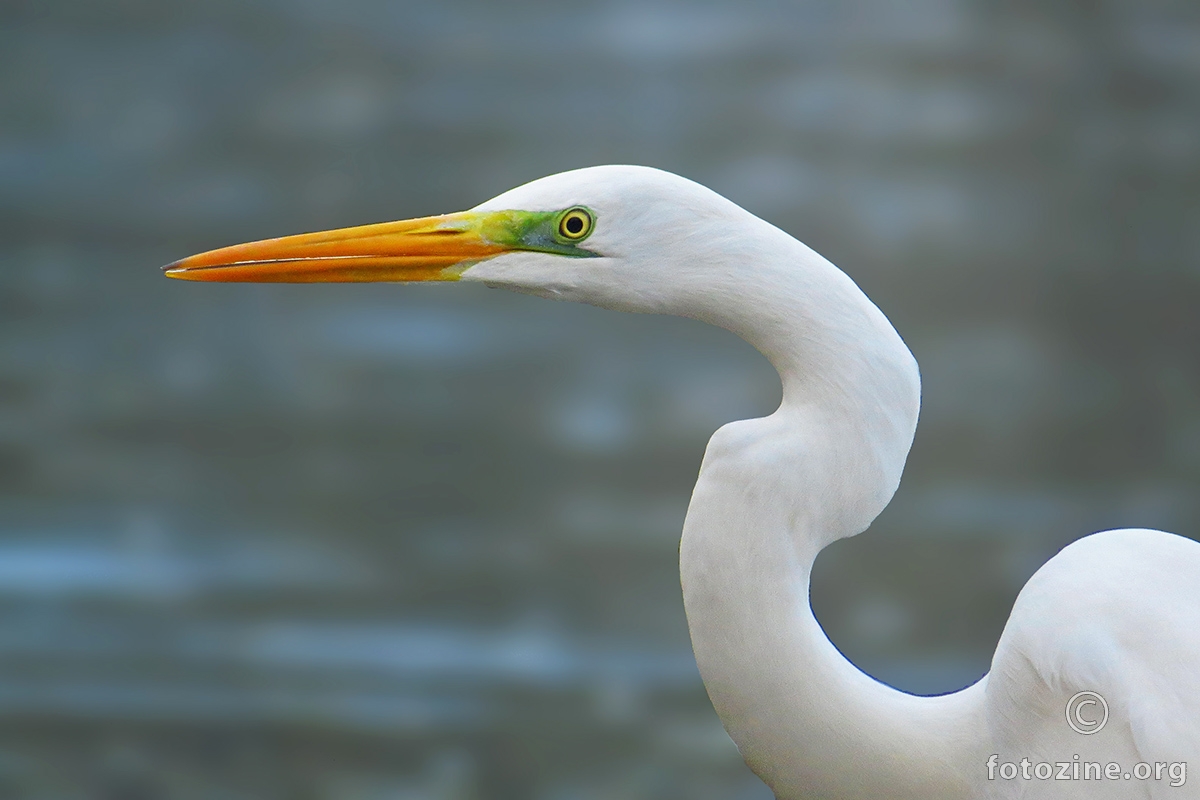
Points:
1116	615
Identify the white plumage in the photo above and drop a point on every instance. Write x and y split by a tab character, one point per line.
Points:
1116	613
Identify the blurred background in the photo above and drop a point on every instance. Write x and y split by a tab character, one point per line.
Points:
380	542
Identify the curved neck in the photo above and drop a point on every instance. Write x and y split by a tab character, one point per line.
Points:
771	493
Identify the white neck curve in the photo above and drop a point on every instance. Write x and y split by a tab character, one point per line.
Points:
771	494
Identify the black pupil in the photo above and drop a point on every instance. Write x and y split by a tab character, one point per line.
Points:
574	225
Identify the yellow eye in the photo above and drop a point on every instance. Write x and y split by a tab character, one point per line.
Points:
575	224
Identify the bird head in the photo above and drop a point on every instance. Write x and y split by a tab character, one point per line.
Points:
615	236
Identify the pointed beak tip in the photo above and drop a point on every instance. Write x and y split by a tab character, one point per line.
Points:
175	270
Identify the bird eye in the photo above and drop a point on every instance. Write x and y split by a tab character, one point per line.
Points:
575	224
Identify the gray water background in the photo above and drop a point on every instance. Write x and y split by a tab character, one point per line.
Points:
366	542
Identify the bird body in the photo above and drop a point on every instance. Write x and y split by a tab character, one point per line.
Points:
1116	614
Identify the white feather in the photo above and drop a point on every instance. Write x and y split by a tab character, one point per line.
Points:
1117	613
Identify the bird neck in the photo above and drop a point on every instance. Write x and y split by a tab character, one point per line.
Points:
771	494
851	388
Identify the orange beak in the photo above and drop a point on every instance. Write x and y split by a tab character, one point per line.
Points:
424	249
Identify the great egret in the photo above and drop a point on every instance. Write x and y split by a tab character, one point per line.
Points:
1115	615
